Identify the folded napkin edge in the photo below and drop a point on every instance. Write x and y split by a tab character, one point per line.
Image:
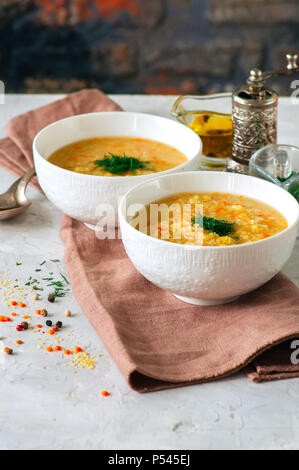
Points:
138	373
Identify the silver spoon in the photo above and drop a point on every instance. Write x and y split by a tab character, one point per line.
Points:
14	200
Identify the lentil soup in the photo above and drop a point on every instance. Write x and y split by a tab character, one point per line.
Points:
117	156
213	219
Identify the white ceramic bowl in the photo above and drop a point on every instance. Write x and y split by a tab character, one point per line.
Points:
206	275
84	197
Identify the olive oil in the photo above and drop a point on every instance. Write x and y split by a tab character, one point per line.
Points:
216	133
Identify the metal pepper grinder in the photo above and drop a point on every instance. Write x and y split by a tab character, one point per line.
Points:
254	115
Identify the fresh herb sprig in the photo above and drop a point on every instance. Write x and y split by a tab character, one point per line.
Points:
221	227
58	293
60	289
118	165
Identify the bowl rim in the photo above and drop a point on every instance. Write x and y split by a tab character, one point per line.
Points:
186	246
117	178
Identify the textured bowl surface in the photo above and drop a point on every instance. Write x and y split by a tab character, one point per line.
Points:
87	197
209	275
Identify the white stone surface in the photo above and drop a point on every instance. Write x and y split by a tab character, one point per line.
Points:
44	405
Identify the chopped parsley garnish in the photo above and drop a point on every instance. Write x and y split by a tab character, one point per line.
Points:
18	264
221	227
117	165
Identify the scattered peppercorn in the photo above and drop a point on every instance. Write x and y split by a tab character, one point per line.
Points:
24	325
51	298
35	287
58	324
48	323
44	312
68	313
8	350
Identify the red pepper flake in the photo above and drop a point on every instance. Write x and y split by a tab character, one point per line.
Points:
3	318
19	341
55	328
67	352
77	349
22	305
49	349
39	326
25	316
51	332
104	393
14	303
14	314
38	312
19	328
57	348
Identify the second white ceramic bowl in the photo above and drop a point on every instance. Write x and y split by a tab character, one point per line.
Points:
206	275
88	197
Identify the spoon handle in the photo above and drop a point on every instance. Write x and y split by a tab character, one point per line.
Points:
27	177
22	184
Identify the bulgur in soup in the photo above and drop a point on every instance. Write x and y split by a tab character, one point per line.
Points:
117	156
212	219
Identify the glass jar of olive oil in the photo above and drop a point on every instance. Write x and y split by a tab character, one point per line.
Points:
210	117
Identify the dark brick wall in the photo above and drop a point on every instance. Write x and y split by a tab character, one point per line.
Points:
143	46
